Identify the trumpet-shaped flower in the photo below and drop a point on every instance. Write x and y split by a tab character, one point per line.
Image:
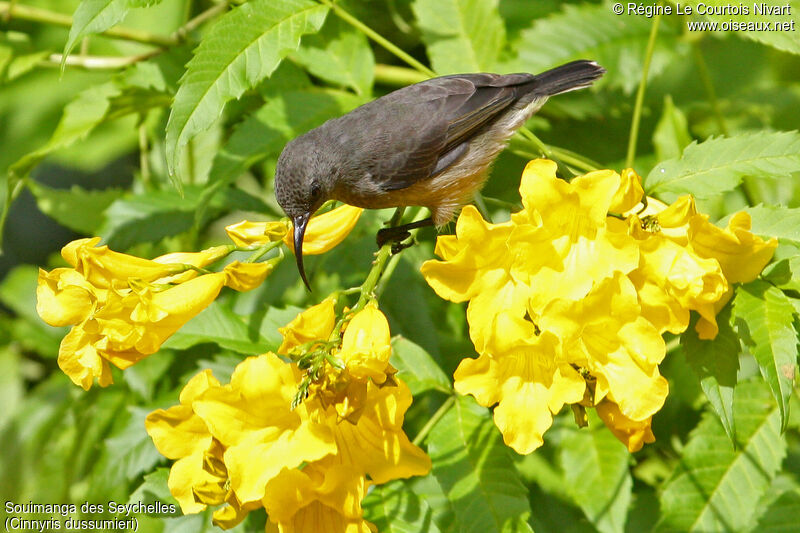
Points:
323	232
123	307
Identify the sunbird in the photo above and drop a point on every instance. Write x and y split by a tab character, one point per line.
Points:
429	144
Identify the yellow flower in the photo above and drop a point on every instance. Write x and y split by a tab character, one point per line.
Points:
633	434
529	384
315	323
178	433
320	498
741	254
605	334
564	241
198	477
123	307
366	345
253	418
323	233
245	233
327	230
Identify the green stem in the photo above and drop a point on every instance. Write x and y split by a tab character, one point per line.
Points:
378	38
100	62
448	403
708	85
637	108
35	14
397	76
255	256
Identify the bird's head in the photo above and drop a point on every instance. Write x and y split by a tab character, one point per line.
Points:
302	185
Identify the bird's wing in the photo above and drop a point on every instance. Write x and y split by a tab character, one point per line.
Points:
437	120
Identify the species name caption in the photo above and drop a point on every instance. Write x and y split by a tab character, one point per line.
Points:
32	516
780	12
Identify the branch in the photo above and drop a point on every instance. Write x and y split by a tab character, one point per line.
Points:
10	10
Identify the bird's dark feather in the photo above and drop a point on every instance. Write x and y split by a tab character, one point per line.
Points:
440	117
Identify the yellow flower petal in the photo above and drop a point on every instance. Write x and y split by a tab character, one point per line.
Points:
246	276
633	434
104	268
245	234
315	323
741	254
366	345
629	194
63	297
327	230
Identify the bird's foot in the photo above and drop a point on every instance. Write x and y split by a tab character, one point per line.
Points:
400	233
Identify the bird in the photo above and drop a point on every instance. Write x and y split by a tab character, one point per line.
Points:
428	144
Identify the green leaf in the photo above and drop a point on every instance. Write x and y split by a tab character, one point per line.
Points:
22	64
148	217
475	471
243	47
394	508
417	368
781	515
716	363
93	16
154	489
764	316
787	40
339	54
716	487
132	449
80	117
784	274
223	327
75	208
595	32
718	165
281	118
773	221
671	135
597	475
461	35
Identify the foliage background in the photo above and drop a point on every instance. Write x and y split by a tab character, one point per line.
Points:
85	152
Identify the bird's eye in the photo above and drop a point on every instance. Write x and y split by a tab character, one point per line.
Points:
315	189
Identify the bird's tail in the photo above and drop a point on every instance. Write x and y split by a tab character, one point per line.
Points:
569	77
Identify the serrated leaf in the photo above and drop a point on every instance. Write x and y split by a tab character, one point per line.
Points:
223	327
281	118
475	470
781	515
595	32
716	363
787	40
93	16
716	487
718	165
461	35
597	475
764	316
671	135
241	49
339	54
417	368
394	508
75	208
773	221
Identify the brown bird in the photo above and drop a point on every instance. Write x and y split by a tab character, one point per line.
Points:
428	144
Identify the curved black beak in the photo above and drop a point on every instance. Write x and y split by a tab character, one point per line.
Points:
299	223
